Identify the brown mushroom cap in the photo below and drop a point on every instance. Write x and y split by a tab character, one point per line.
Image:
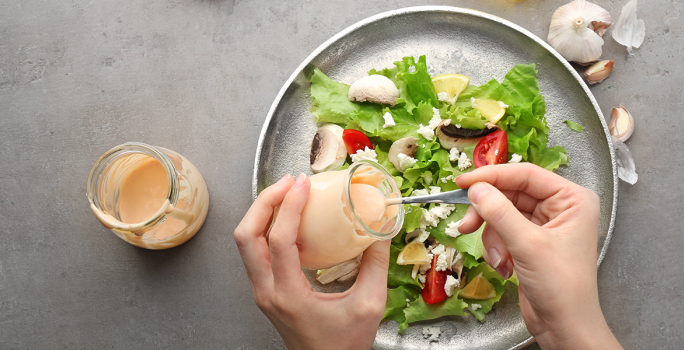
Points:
451	136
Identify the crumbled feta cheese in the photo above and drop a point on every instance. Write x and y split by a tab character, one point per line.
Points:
406	162
365	154
438	249
496	152
515	158
475	306
464	162
421	278
427	177
408	303
442	264
436	118
453	154
425	267
421	192
452	229
389	121
435	190
450	285
423	236
427	132
412	69
457	125
431	333
446	179
502	105
442	96
429	218
443	211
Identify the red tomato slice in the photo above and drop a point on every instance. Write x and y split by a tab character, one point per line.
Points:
355	140
492	149
433	291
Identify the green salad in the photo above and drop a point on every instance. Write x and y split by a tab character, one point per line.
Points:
434	270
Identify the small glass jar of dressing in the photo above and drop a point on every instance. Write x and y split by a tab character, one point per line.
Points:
345	213
149	196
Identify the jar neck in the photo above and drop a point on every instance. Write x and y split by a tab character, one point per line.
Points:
386	185
106	178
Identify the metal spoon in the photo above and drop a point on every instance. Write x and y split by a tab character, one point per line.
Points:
450	197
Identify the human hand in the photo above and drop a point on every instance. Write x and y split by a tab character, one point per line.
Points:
304	318
547	227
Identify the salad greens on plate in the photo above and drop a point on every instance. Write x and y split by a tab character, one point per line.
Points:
434	270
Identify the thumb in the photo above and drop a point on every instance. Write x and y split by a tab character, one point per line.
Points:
502	216
372	280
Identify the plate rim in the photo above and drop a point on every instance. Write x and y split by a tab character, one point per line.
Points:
458	11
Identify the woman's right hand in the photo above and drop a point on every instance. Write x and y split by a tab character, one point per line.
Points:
547	228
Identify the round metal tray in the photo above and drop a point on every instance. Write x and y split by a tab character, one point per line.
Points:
455	40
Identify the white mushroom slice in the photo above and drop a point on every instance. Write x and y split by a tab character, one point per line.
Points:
341	272
407	146
327	149
374	88
451	136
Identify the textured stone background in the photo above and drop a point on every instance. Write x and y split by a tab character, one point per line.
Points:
196	76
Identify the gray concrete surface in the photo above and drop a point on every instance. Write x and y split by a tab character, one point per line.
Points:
196	76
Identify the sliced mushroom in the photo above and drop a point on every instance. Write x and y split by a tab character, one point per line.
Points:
451	136
341	272
407	146
374	88
327	149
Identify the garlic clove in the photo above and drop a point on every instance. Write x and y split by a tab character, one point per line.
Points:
576	29
621	124
599	71
628	30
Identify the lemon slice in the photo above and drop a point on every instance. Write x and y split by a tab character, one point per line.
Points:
451	84
413	253
478	289
490	109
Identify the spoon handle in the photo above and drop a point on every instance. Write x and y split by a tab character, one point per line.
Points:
450	197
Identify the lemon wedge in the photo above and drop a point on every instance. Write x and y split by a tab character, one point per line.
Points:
478	289
413	253
451	85
490	109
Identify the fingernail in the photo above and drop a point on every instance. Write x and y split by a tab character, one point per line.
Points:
284	180
506	271
300	181
495	257
477	191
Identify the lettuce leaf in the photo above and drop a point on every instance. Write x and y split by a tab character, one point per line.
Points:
420	311
396	304
399	275
574	126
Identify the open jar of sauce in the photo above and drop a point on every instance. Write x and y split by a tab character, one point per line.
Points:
345	213
148	196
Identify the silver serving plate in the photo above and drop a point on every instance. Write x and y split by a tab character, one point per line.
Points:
455	40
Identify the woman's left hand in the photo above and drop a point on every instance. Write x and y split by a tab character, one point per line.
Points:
304	318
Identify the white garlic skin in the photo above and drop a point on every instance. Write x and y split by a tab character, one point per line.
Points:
621	124
599	71
629	31
576	29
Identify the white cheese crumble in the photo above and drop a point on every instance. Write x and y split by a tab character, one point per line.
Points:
435	190
421	192
464	162
406	162
432	217
450	285
502	105
408	303
442	264
425	267
365	154
389	121
421	278
431	333
423	236
436	118
429	218
453	154
515	158
438	249
496	152
452	229
426	132
446	179
475	306
442	96
443	211
457	125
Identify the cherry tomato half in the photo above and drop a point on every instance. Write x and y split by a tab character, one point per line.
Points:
492	149
433	291
355	140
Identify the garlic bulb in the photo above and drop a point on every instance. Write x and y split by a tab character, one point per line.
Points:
599	71
628	30
576	30
621	124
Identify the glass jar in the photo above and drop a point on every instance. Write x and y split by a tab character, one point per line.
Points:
149	196
331	229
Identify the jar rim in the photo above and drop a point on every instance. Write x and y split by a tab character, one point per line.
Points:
128	148
399	219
